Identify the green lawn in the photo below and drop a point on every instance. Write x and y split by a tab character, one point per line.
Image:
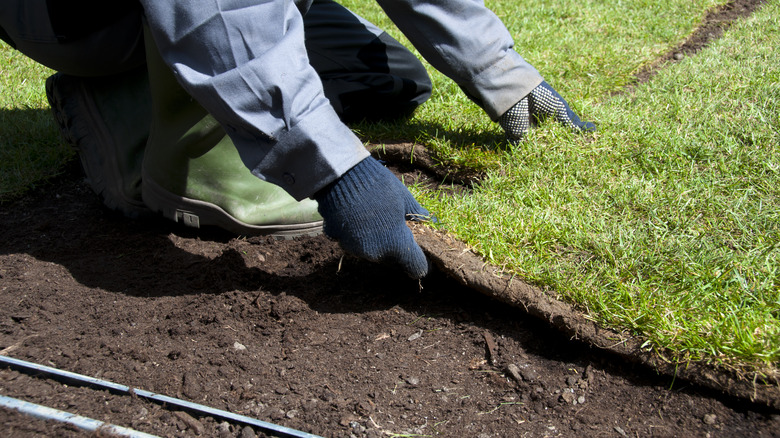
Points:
664	224
30	146
667	223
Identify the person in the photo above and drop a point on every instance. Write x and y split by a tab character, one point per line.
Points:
260	84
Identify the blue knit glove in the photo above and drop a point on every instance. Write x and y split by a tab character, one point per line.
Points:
365	210
542	102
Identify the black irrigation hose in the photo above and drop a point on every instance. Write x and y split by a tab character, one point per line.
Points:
82	380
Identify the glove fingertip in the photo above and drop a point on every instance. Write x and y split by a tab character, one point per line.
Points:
417	265
411	257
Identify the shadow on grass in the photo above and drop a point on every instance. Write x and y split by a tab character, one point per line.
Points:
429	132
31	151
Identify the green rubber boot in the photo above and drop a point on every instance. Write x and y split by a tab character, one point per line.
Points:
106	120
192	172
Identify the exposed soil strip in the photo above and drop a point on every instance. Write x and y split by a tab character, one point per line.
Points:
715	23
405	156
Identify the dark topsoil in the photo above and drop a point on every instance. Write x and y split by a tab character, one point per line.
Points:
295	334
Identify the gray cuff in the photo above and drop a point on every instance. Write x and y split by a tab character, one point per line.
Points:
312	154
503	84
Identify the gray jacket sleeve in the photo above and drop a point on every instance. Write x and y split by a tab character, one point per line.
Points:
467	42
246	63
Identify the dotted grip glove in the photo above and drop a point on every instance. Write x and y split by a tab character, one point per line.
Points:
366	211
542	102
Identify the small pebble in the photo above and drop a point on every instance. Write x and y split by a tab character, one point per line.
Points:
223	430
192	423
569	398
346	420
528	374
357	427
710	419
514	371
248	432
588	373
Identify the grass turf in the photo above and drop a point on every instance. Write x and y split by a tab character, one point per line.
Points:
665	224
30	148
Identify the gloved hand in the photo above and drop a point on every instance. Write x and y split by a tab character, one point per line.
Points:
365	210
542	102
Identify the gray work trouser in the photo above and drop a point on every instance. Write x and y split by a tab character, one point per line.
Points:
366	74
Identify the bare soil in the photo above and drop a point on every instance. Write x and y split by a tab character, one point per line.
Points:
296	334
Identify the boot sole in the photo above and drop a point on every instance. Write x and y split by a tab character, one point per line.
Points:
196	214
